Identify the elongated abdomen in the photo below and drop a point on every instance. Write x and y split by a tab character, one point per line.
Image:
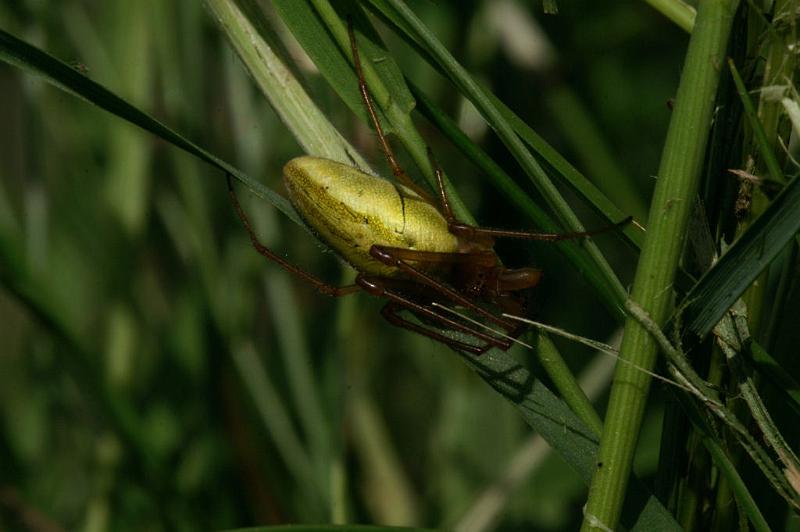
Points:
352	211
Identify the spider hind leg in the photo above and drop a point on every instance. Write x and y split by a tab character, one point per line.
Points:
410	297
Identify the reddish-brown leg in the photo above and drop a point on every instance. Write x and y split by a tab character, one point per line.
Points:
380	287
447	212
389	312
528	278
389	257
498	280
472	232
321	286
508	283
398	172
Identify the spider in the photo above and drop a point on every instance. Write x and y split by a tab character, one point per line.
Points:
407	247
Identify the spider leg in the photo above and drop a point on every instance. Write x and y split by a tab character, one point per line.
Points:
320	285
504	279
471	232
397	170
391	257
380	288
443	201
389	312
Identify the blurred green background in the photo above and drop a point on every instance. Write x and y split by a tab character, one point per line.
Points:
155	372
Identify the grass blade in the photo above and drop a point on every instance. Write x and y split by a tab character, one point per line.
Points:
733	273
562	429
767	155
677	11
246	28
27	57
312	32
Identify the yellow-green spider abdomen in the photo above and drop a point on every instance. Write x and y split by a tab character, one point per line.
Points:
352	211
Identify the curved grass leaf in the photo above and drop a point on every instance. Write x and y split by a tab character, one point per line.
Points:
730	276
677	11
562	429
31	59
247	30
314	36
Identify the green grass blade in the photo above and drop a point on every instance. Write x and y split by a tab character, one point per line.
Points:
31	59
677	11
731	275
247	31
313	34
562	429
566	384
764	148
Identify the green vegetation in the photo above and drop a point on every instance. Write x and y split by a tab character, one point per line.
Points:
157	373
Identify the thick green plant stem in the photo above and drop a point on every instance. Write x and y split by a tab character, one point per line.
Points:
677	185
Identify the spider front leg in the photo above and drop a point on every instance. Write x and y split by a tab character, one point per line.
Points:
320	285
474	233
397	170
